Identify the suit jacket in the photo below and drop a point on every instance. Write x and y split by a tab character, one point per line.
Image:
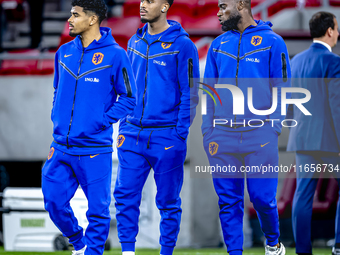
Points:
318	70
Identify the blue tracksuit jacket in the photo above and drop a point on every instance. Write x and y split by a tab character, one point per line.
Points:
167	96
87	82
257	58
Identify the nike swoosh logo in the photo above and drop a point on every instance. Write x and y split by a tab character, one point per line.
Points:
136	41
167	148
262	145
66	56
225	42
92	156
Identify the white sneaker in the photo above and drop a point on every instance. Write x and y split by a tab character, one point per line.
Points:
270	250
79	252
335	251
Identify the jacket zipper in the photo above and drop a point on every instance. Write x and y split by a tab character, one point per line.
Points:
146	76
127	82
238	62
146	82
190	73
74	99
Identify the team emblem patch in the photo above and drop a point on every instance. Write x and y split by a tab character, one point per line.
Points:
50	154
97	58
166	45
213	147
256	40
120	140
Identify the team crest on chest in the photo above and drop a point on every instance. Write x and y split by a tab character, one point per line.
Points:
256	40
120	140
166	45
97	58
213	147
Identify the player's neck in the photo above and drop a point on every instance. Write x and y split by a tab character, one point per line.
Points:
158	26
89	36
246	21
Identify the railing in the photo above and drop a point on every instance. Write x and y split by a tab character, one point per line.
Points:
262	8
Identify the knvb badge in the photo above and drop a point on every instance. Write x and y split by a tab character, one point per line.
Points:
97	58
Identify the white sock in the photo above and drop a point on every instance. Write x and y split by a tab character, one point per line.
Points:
128	253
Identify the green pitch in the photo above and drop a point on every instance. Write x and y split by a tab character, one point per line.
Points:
253	251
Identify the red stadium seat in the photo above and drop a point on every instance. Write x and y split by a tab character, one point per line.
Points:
205	8
23	66
334	2
131	8
123	28
65	37
185	9
19	67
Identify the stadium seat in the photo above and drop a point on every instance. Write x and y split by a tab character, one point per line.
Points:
124	28
185	9
18	66
131	8
33	66
14	10
205	8
65	37
334	2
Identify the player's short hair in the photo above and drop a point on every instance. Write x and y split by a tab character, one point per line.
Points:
96	6
320	22
170	2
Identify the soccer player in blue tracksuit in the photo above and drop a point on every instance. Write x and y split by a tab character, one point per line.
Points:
164	61
248	54
90	72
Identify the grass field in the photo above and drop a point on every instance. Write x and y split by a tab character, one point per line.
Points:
252	251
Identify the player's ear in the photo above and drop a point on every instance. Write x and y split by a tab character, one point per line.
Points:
240	5
93	20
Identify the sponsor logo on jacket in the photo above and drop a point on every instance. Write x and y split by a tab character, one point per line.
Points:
162	63
92	79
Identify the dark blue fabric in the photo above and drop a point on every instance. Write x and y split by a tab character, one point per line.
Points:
84	104
306	182
317	70
255	57
163	151
255	149
167	97
61	176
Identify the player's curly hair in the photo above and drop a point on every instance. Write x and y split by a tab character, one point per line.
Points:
170	2
97	6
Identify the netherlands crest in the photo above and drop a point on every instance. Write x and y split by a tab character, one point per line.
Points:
50	154
256	40
166	45
213	148
120	140
97	58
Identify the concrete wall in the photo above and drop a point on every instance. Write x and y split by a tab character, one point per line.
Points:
25	125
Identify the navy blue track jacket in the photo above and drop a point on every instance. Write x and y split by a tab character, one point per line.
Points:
257	58
167	94
87	82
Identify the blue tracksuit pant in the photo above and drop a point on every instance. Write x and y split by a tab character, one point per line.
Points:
138	152
253	149
61	176
306	183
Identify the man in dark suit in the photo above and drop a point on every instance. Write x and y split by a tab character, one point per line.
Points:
316	138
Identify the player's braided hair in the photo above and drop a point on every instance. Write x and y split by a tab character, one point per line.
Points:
97	6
